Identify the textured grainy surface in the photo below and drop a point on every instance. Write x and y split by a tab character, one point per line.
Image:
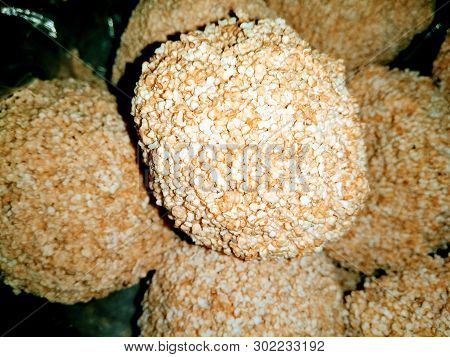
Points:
410	302
75	219
441	66
154	20
407	122
199	292
360	32
252	139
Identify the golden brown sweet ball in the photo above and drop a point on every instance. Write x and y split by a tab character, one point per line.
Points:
154	20
441	66
200	292
252	140
75	223
360	32
409	302
407	123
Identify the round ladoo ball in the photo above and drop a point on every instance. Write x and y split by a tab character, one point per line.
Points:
200	292
156	20
410	302
407	123
75	218
252	139
360	32
441	66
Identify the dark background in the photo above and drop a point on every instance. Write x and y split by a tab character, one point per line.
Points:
94	28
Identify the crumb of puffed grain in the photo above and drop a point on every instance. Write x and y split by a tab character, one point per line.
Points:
74	67
441	66
200	292
252	139
410	302
360	32
348	278
407	123
156	20
75	219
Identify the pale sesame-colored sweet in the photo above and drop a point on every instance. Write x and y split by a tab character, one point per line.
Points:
360	32
252	139
407	123
441	66
154	20
410	302
75	218
200	292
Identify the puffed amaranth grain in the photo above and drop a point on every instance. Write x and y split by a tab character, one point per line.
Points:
407	125
252	140
75	220
154	20
409	302
200	292
360	32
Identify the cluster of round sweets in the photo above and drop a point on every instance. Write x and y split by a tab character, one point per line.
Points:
373	31
257	150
